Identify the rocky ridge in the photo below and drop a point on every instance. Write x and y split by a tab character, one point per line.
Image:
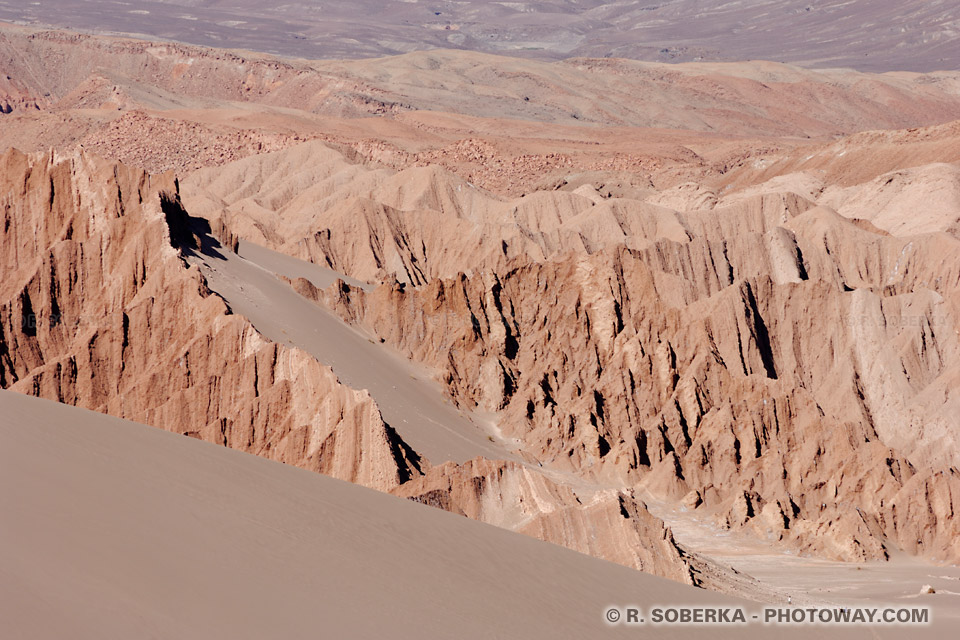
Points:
92	269
692	367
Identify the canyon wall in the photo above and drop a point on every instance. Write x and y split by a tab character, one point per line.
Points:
784	369
99	310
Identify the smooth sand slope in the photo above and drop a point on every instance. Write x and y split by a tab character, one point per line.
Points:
284	265
115	530
410	402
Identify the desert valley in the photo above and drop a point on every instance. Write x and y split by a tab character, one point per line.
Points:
533	337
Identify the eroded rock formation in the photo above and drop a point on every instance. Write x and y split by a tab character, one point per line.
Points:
778	368
99	310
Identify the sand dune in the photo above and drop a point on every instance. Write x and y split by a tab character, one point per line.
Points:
112	529
410	401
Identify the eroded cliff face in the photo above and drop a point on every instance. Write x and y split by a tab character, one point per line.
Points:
98	309
423	223
783	368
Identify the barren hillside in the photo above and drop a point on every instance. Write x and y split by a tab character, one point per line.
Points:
874	35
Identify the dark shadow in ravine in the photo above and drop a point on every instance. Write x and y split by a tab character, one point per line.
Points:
191	236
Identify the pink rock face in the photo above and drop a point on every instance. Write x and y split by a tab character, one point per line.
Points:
99	310
697	366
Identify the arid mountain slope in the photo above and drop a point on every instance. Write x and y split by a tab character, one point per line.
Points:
60	69
877	35
508	125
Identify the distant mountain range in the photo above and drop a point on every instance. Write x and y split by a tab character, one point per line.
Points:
868	35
